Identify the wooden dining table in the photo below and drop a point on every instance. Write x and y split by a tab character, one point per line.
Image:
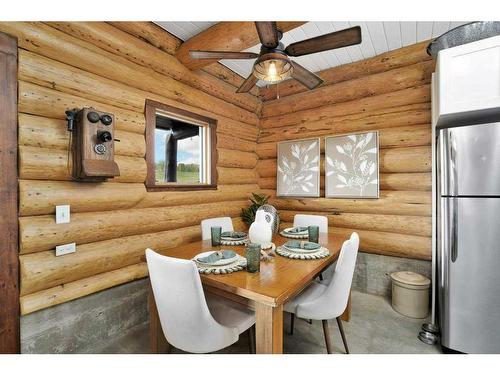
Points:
279	280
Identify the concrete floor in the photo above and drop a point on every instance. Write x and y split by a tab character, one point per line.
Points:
374	328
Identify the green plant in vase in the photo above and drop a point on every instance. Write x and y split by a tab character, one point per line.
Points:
248	214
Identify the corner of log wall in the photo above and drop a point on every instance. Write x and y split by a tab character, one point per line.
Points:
115	67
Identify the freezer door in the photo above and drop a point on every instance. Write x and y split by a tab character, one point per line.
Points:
470	160
469	269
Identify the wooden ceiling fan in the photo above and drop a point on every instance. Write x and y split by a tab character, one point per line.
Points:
273	64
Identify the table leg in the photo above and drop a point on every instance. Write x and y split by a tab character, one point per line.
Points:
159	343
269	329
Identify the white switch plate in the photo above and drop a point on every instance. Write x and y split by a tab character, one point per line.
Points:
65	249
62	214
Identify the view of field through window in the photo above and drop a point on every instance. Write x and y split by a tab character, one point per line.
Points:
185	155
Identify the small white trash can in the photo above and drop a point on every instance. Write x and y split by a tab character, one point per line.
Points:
410	294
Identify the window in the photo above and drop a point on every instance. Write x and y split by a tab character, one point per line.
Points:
180	149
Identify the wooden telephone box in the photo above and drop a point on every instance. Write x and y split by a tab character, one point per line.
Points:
93	144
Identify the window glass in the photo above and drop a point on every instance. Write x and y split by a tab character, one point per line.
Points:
179	152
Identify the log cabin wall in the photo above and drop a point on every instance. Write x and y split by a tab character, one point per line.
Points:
389	93
114	68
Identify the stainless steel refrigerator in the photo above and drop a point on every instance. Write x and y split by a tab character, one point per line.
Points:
468	237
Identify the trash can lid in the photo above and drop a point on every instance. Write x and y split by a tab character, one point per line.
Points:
410	278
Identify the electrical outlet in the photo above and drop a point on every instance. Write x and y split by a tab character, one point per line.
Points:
65	249
62	214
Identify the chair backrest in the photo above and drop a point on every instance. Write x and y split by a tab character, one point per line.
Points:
340	284
225	222
333	301
184	315
301	220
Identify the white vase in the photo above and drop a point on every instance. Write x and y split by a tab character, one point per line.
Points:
260	231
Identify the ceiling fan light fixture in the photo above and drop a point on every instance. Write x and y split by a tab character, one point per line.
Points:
272	69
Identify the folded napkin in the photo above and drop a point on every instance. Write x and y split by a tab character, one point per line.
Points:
216	256
233	234
302	245
297	230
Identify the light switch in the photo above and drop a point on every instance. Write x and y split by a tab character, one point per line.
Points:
62	214
65	249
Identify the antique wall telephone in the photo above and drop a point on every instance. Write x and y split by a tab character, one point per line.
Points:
92	143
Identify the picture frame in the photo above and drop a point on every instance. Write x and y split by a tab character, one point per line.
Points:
352	166
298	168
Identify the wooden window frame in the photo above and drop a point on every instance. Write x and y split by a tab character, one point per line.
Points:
151	108
9	227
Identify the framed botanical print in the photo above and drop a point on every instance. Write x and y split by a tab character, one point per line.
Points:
298	168
352	166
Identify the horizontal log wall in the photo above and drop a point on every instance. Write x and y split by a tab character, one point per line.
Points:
115	67
389	93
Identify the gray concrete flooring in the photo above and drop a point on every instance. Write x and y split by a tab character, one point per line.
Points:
374	328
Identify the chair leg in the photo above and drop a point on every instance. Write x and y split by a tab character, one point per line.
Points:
321	277
342	333
326	333
292	322
251	340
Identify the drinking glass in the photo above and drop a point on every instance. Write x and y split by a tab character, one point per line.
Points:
216	235
252	254
313	231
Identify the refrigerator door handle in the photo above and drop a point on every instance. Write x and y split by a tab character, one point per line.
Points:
453	166
454	229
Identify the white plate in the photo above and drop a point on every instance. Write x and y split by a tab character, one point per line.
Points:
221	262
287	230
301	251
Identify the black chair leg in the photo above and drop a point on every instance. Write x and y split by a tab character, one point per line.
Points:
320	277
292	322
326	333
342	333
251	340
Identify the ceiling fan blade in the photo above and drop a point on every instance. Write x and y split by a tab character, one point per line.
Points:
268	33
248	84
219	55
337	39
304	76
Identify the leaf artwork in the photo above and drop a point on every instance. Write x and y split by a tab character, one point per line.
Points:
298	168
352	165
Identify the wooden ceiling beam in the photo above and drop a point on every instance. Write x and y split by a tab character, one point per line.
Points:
162	39
224	36
150	33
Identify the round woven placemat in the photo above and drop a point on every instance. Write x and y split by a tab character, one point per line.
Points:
294	236
322	252
239	264
234	242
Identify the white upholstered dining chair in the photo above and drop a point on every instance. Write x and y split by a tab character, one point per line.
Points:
302	220
225	222
328	300
190	320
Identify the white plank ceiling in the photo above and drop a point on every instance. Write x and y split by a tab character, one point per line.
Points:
378	37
